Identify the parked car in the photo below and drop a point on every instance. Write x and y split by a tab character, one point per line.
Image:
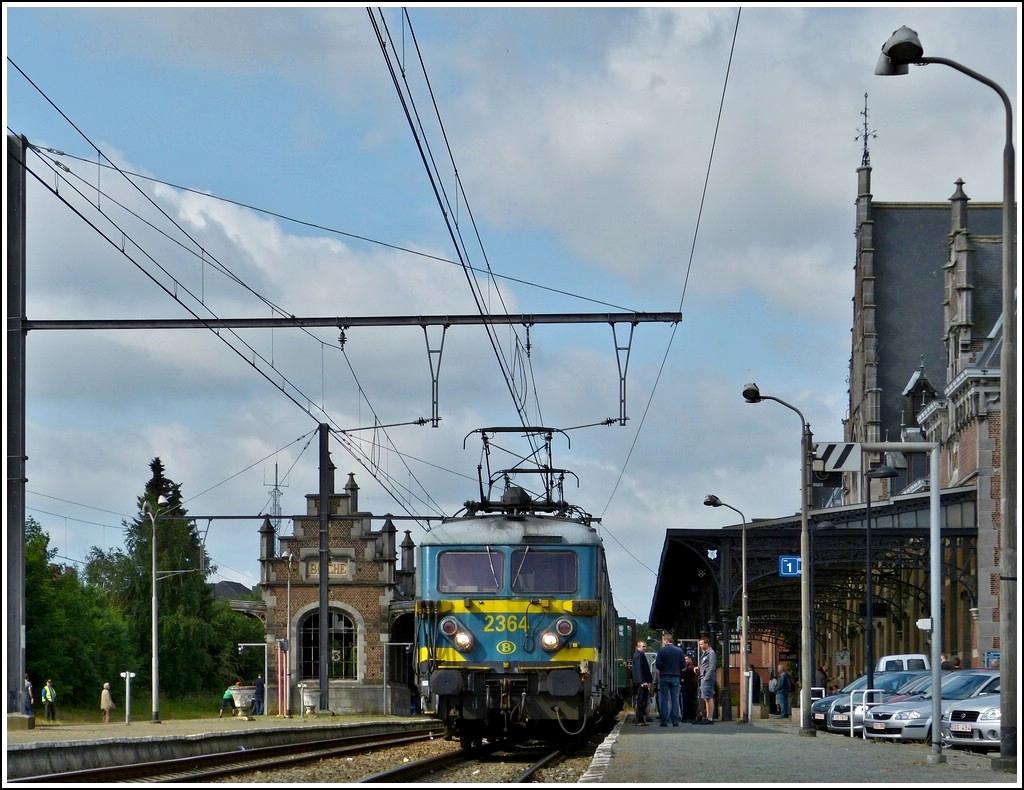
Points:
914	688
903	661
973	724
911	720
845	706
819	707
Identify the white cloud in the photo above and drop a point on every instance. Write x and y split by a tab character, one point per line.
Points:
583	140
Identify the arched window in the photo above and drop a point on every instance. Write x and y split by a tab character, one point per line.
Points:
343	646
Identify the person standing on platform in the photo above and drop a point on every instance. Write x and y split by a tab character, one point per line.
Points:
755	693
29	700
690	685
783	688
106	703
261	687
708	668
50	701
642	679
669	662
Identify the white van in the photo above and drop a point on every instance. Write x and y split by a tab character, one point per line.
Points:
903	661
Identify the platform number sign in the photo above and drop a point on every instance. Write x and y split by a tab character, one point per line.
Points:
789	566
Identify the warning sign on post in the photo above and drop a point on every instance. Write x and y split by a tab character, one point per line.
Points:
837	457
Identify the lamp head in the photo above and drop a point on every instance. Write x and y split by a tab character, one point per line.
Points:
148	509
903	46
886	68
884	472
712	501
751	393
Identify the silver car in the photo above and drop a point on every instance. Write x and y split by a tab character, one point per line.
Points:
973	724
912	720
845	712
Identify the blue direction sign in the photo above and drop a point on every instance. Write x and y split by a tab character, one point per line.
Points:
789	566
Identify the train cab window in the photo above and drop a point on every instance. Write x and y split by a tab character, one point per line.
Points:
536	571
470	572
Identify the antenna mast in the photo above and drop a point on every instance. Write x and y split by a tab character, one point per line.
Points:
865	159
275	500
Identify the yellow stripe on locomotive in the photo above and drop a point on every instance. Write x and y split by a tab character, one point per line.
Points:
501	633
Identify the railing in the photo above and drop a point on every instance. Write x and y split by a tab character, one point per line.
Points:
867	700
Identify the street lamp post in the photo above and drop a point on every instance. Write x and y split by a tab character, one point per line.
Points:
288	643
752	394
881	473
745	688
903	48
148	510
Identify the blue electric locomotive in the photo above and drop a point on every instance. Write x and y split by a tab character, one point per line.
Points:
516	630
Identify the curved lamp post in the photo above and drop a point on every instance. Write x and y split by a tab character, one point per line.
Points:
881	473
288	642
149	510
902	49
752	394
745	688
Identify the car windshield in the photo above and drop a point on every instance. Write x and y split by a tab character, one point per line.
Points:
887	681
893	681
859	683
916	686
960	686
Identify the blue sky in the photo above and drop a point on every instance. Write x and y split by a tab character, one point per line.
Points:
693	159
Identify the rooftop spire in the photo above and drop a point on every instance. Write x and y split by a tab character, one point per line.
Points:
865	159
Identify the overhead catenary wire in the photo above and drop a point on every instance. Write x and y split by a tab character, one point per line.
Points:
682	297
516	365
175	290
399	77
325	229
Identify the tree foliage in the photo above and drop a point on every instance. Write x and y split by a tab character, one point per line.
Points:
83	630
72	634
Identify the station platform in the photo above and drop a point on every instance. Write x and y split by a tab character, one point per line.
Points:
57	748
773	751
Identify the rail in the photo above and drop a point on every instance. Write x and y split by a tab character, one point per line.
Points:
235	761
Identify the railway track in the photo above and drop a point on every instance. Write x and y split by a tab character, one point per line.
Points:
221	764
462	766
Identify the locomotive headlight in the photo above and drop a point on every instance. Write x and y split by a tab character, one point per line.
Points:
553	639
463	640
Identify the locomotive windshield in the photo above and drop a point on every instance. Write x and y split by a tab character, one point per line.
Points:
543	571
470	572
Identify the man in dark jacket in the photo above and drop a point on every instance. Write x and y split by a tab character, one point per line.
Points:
690	686
641	674
669	662
755	693
258	698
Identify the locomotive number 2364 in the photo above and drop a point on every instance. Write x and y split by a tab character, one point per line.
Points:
505	622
